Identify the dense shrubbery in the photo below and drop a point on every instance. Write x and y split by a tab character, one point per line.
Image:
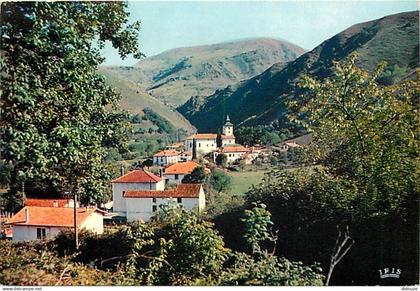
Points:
365	145
262	134
177	248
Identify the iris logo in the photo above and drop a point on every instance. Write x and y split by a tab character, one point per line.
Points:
389	273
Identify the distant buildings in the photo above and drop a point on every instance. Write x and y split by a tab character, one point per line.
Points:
233	153
176	172
207	142
139	194
143	204
166	157
45	218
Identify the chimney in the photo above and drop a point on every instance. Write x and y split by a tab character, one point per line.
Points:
122	170
55	203
26	215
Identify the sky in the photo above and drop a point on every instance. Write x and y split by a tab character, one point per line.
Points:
172	24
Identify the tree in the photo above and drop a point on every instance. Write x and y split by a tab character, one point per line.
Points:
56	118
363	147
220	181
219	141
197	176
221	160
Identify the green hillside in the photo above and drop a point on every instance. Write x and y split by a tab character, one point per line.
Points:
135	99
177	75
262	99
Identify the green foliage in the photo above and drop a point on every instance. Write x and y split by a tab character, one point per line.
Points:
35	264
197	176
262	134
221	160
257	227
270	271
113	155
366	133
365	141
57	113
137	118
219	141
163	124
220	181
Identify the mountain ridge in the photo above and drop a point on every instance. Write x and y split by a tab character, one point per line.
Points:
261	99
176	75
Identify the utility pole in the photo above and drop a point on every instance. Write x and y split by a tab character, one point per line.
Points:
76	233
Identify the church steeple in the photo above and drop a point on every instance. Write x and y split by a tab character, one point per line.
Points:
228	127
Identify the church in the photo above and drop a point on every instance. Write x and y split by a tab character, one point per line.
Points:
207	142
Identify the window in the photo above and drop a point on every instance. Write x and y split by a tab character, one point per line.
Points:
176	176
199	145
154	200
179	200
41	233
154	208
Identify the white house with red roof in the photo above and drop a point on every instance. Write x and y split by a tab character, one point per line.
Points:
143	204
233	153
165	157
176	172
134	180
207	142
46	221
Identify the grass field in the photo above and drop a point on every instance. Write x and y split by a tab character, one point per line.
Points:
242	181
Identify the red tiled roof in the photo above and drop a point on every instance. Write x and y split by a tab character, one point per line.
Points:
209	136
166	153
189	153
234	149
228	137
51	216
138	176
203	136
181	191
181	168
47	202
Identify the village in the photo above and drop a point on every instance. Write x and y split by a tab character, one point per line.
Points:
139	194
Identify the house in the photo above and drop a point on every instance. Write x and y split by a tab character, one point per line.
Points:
42	222
176	172
134	180
178	146
185	156
233	153
143	204
165	157
207	142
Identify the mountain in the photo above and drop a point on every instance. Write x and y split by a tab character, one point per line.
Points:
135	99
177	75
261	99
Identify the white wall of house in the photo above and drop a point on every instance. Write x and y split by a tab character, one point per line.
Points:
142	208
29	232
204	146
174	178
94	223
118	188
228	141
231	157
165	160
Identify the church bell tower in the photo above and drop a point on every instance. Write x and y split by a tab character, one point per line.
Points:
228	127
